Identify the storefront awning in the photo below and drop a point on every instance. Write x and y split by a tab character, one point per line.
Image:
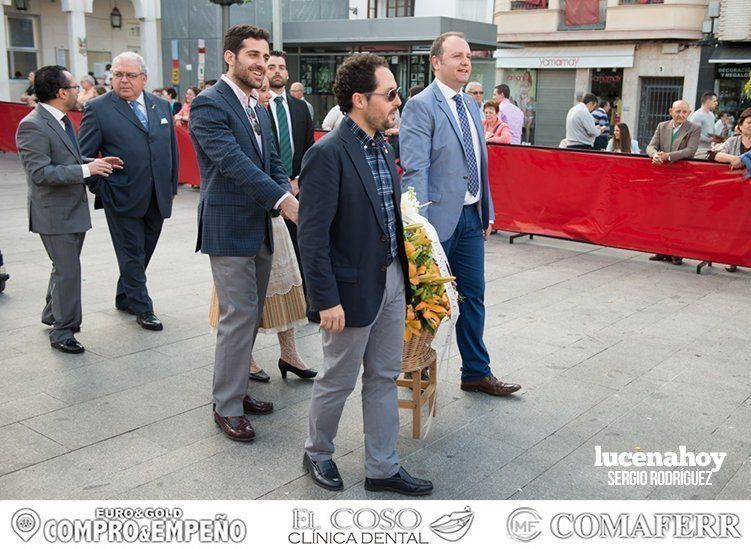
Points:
731	53
575	57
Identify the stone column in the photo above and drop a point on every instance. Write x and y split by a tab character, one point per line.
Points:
77	41
4	76
149	13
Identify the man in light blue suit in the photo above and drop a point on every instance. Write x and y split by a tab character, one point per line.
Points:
444	157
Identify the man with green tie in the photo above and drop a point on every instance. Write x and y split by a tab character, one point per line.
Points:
292	125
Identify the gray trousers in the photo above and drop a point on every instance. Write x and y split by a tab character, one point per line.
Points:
241	284
62	309
378	348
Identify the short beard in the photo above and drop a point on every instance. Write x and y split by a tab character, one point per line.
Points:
379	124
273	86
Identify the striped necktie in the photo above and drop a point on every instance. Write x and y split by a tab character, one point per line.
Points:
139	114
285	145
473	185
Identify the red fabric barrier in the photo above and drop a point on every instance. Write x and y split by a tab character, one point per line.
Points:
690	209
12	113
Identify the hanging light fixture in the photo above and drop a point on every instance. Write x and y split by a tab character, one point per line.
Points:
21	5
116	18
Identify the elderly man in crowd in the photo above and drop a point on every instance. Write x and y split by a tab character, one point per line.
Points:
296	90
474	89
674	140
137	127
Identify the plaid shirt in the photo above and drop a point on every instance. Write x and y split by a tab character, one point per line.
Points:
375	153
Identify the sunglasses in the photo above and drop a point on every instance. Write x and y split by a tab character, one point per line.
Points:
390	95
476	92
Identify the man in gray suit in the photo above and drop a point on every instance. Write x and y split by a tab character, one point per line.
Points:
243	183
674	140
58	208
137	127
445	159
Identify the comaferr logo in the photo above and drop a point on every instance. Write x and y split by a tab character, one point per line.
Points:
559	61
643	525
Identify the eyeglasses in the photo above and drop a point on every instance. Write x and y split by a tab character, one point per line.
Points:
76	87
476	92
129	75
390	95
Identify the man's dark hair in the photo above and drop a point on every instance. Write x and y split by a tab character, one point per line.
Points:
48	81
172	92
589	98
233	38
436	49
278	53
503	89
706	96
414	90
209	83
603	103
356	75
108	66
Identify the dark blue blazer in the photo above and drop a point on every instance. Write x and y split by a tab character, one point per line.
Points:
239	185
341	233
111	128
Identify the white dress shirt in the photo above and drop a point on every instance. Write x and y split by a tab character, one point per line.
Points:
58	114
272	108
449	94
251	101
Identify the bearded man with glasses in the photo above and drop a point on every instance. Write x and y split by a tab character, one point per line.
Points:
137	127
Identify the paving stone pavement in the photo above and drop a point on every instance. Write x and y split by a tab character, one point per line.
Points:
611	350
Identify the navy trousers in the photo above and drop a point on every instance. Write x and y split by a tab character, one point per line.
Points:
466	254
134	240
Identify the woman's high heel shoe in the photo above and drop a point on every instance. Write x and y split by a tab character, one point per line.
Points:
285	367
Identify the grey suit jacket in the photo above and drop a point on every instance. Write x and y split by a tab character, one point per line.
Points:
57	201
684	145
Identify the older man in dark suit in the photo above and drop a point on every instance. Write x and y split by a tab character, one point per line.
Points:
58	207
352	246
675	139
242	183
137	127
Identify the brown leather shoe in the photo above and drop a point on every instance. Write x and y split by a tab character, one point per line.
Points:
491	386
257	407
235	427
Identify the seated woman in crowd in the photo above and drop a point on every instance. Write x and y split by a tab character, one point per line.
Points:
731	150
183	116
496	130
621	141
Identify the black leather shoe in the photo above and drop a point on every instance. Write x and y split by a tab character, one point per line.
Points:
285	367
401	483
257	407
70	345
324	473
149	321
260	375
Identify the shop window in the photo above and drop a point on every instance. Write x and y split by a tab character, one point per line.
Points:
583	14
529	4
21	32
400	8
729	85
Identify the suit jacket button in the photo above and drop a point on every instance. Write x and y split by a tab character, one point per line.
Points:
384	238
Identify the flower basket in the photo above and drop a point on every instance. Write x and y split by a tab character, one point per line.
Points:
417	351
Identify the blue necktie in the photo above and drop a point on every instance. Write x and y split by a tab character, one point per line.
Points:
140	115
473	186
70	131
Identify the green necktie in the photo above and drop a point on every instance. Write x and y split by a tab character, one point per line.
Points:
285	147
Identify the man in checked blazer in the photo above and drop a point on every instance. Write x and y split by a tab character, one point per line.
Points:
58	207
674	140
242	183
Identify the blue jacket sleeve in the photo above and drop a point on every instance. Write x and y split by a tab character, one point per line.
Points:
415	145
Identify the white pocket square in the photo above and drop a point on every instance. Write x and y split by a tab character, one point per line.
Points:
163	121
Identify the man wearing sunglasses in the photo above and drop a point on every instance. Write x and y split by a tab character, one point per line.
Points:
352	248
475	90
137	127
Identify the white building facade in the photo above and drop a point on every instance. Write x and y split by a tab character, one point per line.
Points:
79	34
